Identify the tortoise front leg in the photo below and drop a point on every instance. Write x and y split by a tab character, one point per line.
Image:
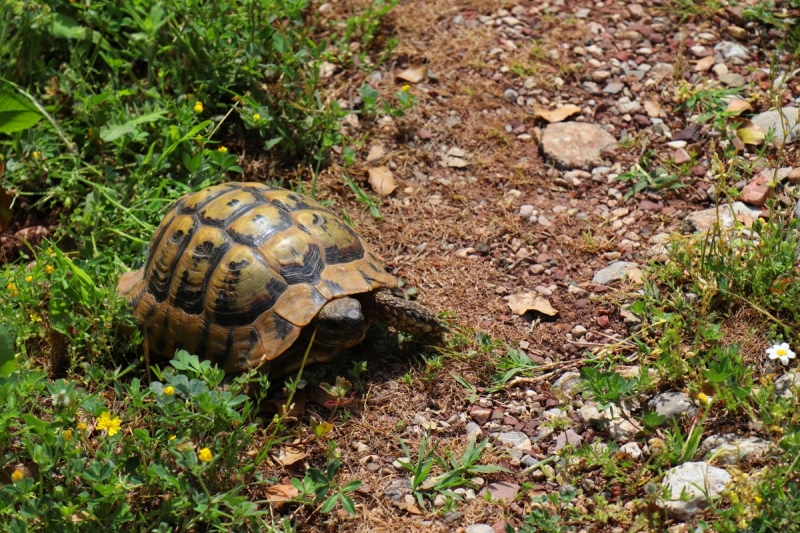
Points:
403	315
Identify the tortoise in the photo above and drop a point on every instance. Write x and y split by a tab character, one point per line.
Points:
246	275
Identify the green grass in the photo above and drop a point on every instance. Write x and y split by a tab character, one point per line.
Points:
118	109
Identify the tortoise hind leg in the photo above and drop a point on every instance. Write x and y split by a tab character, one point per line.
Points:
406	316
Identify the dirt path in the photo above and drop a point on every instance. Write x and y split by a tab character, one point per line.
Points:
480	214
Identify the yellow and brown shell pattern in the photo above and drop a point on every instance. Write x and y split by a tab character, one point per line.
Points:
236	270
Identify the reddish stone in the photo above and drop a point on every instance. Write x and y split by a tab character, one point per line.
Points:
600	288
647	205
757	191
603	321
510	421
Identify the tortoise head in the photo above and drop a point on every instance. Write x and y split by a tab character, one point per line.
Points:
340	324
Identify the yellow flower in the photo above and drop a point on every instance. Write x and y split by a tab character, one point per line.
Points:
222	150
205	455
67	435
702	398
112	425
29	279
16	476
49	269
256	117
198	107
35	317
169	390
758	499
36	155
82	426
406	88
172	437
11	287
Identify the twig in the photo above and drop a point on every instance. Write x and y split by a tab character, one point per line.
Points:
530	381
223	119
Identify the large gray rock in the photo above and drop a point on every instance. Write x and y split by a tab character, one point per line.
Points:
480	528
613	272
786	385
702	221
731	449
672	404
771	120
696	480
576	144
731	50
517	439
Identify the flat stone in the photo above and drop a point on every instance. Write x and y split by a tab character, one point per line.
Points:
757	191
793	176
510	95
517	439
568	382
672	404
702	221
621	430
576	144
625	105
501	490
594	417
731	50
662	70
632	449
681	156
474	430
481	416
731	79
695	480
397	489
787	384
479	528
730	449
613	87
614	272
771	120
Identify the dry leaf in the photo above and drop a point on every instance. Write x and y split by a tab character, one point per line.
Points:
737	106
326	70
289	456
414	74
558	114
704	64
652	108
749	133
530	301
280	493
382	180
634	275
80	516
410	507
375	153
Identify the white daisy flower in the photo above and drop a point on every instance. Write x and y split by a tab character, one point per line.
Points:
781	351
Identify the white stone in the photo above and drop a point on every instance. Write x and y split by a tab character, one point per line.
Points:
696	480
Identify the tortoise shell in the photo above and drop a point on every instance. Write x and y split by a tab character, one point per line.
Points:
236	270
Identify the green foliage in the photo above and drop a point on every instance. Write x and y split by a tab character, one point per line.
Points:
316	485
455	469
16	112
81	471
